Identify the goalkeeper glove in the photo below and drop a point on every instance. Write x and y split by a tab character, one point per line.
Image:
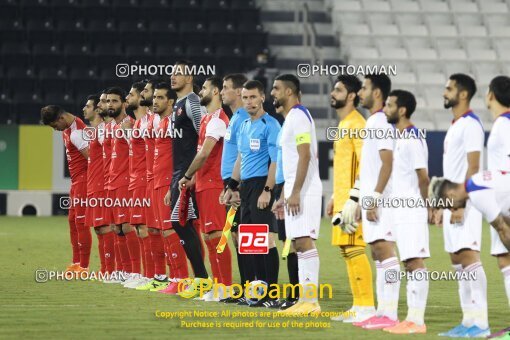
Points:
350	206
337	219
349	228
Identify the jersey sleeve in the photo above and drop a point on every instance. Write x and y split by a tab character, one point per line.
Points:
485	202
301	127
417	154
194	110
473	137
357	143
272	138
385	143
216	128
77	140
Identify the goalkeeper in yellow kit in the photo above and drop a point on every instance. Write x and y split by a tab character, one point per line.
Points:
347	151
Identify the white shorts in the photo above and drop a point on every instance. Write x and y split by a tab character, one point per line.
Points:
463	236
307	223
382	229
412	233
497	247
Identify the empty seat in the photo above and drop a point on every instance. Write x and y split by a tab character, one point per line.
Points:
364	52
443	30
405	6
376	5
452	54
347	5
423	53
432	78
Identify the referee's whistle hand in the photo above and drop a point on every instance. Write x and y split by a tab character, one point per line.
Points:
226	196
263	201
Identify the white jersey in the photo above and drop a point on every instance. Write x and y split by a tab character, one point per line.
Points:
299	128
370	162
489	192
498	144
410	154
465	135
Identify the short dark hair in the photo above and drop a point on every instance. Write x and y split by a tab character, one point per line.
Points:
405	99
118	91
381	82
51	113
291	81
215	81
238	79
444	186
170	94
139	86
464	83
94	98
254	84
186	63
500	86
352	84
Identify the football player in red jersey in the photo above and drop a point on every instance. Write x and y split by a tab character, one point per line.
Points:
138	184
95	211
118	185
164	98
77	152
206	169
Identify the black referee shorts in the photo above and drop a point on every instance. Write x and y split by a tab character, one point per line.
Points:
250	191
237	217
278	191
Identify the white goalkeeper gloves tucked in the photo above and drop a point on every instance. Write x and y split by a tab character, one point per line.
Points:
338	220
350	206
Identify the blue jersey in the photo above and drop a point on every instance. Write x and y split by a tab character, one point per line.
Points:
229	155
256	141
279	165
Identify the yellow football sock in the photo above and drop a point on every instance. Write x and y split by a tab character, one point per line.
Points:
352	278
363	275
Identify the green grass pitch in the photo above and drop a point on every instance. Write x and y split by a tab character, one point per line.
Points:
93	310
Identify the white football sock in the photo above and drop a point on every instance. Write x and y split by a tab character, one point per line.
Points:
309	280
465	298
479	294
391	269
417	293
379	288
506	277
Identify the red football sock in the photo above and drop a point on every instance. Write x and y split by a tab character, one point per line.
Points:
134	251
116	248
224	263
176	252
196	224
85	243
148	264
158	253
100	247
213	260
124	254
74	240
109	251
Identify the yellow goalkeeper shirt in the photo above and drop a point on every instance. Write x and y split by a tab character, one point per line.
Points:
347	153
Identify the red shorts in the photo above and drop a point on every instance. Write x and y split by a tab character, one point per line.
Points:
211	212
96	210
119	208
108	212
78	196
161	211
150	217
137	209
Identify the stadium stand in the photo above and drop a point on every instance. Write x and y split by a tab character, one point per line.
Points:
59	51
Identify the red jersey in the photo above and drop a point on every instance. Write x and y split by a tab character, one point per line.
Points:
213	125
137	165
95	173
152	122
107	151
74	143
163	152
119	166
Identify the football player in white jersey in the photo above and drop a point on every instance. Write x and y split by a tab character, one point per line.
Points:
489	192
302	190
374	180
498	156
410	184
462	228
